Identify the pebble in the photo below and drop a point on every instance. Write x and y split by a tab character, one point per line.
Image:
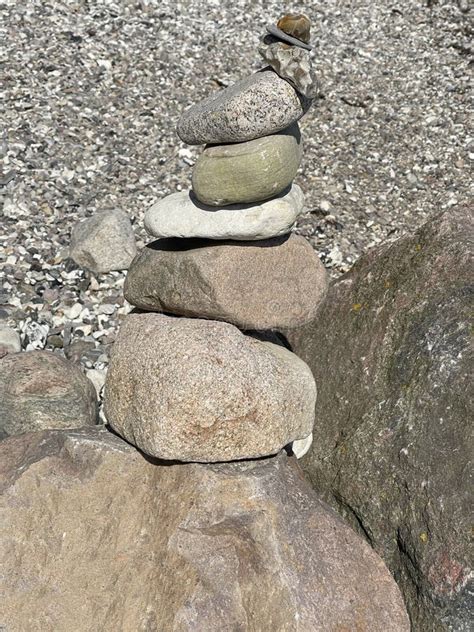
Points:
182	215
256	106
104	242
297	25
106	308
73	312
249	172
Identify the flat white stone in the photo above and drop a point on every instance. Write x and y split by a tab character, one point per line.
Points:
182	215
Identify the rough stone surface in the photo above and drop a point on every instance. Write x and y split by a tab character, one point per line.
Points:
98	539
41	390
9	341
199	390
255	106
394	412
103	242
182	215
293	64
247	172
267	284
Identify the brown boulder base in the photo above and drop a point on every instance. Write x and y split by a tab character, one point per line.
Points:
394	412
200	390
269	284
41	390
97	538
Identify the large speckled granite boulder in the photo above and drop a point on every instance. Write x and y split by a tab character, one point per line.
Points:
95	537
200	390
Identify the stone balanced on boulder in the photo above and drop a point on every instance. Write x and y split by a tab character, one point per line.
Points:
192	381
196	374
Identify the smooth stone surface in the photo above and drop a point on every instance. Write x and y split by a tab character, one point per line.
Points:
302	446
269	284
281	35
182	215
256	106
96	538
41	390
10	341
292	64
248	172
199	390
103	242
297	25
391	350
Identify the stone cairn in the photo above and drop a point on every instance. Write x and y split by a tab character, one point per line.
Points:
198	373
200	378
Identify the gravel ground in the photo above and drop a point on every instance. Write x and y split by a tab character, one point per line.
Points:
93	93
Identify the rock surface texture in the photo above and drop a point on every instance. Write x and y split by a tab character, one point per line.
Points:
255	285
256	106
103	242
394	412
241	173
135	545
9	341
291	63
182	215
41	390
197	390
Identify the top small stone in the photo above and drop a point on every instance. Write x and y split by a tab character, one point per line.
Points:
293	29
297	25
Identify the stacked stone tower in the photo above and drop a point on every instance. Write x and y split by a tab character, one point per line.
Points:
220	532
200	380
198	374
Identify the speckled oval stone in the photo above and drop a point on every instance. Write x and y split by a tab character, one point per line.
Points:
247	172
259	105
199	390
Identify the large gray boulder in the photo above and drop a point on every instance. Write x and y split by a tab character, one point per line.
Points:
103	242
40	390
200	390
390	351
97	538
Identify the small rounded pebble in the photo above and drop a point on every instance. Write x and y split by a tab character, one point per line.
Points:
297	25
